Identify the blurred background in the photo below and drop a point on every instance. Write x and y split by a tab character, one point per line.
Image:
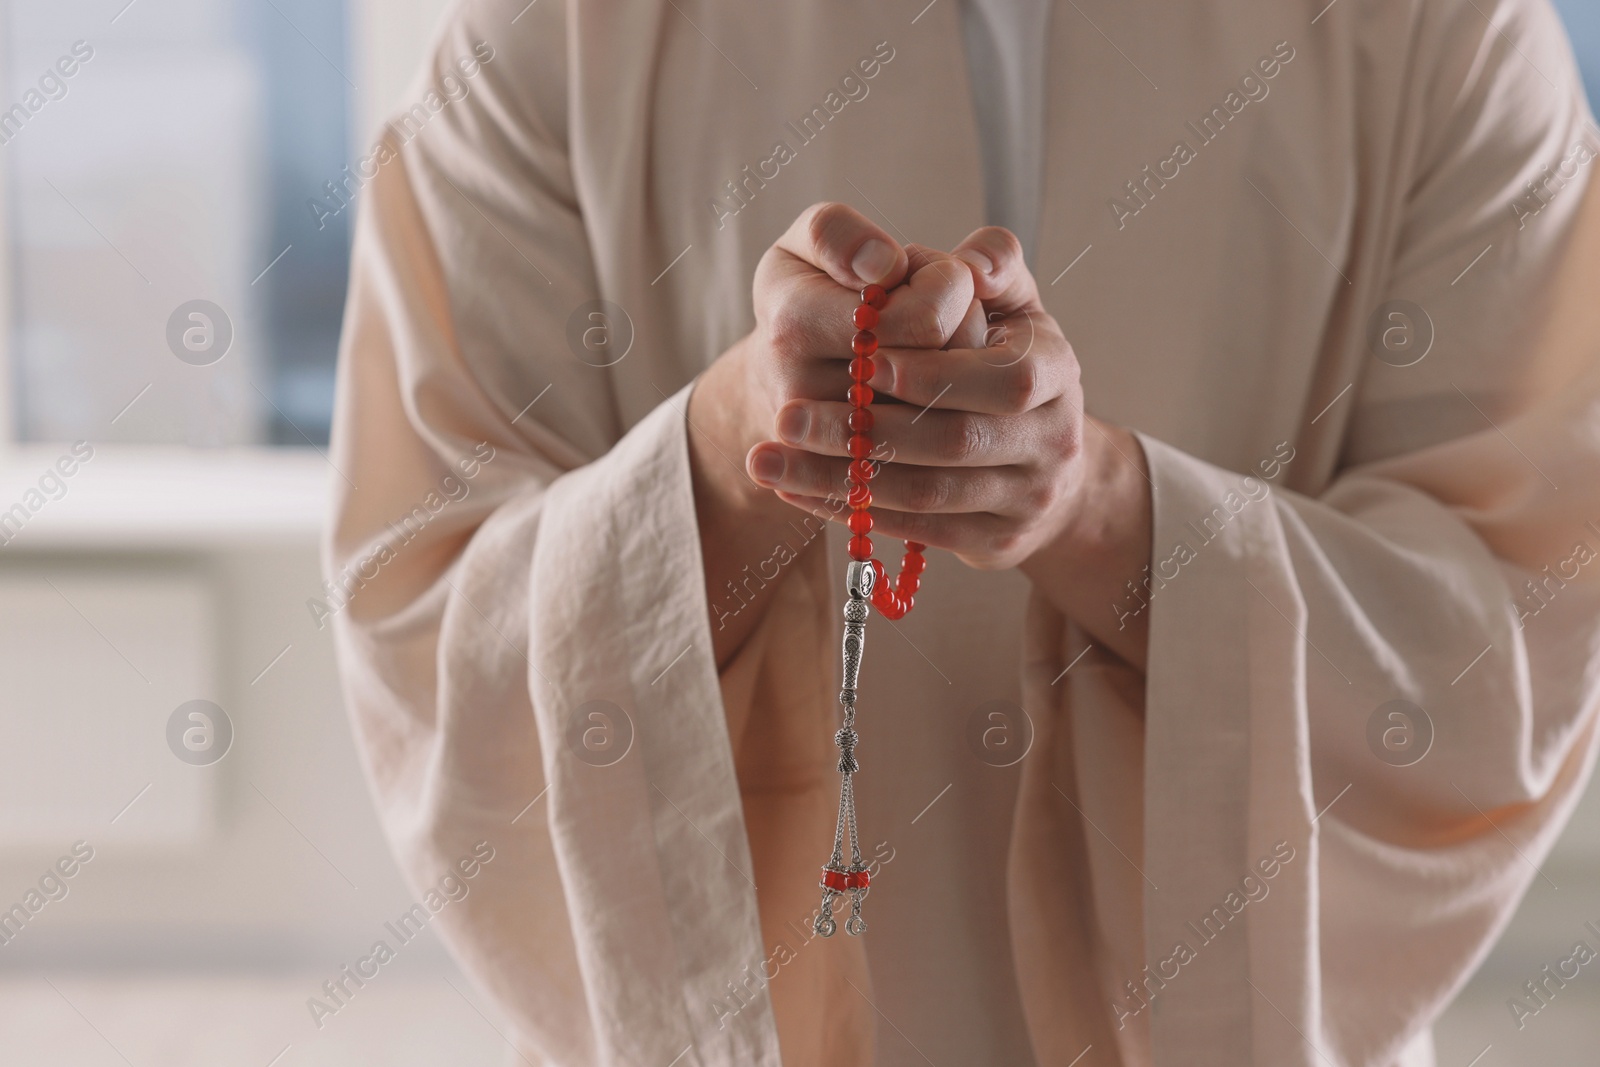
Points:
174	235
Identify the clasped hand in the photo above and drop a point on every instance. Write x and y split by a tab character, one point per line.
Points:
978	407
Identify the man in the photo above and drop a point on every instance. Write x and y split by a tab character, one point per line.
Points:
1255	674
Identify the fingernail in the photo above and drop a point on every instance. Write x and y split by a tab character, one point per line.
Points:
793	423
873	260
767	466
977	259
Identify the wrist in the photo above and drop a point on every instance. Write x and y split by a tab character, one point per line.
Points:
721	433
1103	540
1113	497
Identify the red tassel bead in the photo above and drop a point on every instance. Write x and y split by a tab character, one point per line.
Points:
862	368
865	317
860	395
860	522
835	880
857	880
861	547
864	343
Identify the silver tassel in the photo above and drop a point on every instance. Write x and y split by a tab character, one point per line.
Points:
859	579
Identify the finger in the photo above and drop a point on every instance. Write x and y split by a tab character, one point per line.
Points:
1000	275
902	486
927	436
973	534
844	244
973	328
926	311
1011	379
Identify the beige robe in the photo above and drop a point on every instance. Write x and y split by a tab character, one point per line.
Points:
1205	864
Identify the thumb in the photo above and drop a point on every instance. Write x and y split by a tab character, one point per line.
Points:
1000	277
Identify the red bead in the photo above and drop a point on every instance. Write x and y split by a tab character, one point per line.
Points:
860	395
857	880
865	317
913	564
860	446
915	546
832	879
860	522
875	295
860	546
862	368
864	343
860	496
860	420
877	575
863	470
907	584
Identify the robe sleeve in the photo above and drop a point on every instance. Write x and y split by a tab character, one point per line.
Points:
516	588
1452	564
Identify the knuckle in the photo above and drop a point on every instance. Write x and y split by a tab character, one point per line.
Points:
925	325
913	380
810	473
925	528
1022	385
1069	439
1006	542
928	492
824	222
835	431
961	438
1004	242
1042	496
787	330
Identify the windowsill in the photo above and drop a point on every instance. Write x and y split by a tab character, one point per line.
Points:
164	498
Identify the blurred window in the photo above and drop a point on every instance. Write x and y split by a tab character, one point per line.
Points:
168	281
1583	23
